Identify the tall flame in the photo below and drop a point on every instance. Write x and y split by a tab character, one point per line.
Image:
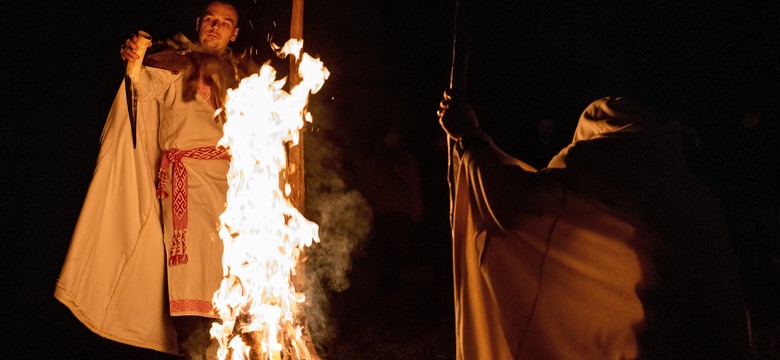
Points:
263	233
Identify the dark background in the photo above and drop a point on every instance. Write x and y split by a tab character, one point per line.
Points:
704	62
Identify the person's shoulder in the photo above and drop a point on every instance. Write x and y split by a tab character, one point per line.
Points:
171	54
172	60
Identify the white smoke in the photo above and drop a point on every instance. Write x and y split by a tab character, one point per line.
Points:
344	218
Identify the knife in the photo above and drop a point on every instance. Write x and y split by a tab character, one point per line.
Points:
132	70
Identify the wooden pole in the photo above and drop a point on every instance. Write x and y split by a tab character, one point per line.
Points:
296	32
295	168
461	44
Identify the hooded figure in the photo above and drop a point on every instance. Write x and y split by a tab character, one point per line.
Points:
615	251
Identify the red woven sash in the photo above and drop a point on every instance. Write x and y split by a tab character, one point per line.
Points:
180	187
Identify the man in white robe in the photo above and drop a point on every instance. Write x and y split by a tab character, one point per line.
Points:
115	279
615	251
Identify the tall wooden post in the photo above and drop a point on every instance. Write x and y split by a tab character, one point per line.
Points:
295	168
295	171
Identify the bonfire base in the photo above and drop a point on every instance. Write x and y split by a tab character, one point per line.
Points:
254	340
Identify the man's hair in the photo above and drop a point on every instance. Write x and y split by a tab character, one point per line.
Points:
226	2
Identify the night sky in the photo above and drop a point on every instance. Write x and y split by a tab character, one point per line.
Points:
703	61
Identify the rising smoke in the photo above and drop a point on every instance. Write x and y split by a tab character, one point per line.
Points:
344	218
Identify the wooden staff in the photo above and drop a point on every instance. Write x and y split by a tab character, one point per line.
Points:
461	43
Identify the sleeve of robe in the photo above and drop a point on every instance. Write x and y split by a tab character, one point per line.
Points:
492	191
113	278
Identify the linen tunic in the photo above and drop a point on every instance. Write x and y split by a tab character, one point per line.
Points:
188	125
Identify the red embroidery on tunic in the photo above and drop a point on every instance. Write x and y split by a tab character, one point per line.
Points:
205	92
180	185
189	305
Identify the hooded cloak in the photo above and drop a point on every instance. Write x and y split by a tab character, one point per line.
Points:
615	251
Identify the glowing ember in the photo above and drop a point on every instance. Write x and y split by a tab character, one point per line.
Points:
262	232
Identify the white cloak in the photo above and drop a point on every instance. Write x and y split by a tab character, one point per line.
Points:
114	275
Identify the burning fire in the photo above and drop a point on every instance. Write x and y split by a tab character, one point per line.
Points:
263	233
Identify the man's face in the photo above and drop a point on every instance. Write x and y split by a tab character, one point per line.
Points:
217	27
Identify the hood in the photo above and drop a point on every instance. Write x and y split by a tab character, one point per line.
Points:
615	117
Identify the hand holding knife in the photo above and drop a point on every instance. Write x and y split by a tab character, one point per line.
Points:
133	51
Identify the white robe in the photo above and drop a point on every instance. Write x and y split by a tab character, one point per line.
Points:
113	278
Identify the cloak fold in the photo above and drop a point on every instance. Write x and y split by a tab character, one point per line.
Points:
114	275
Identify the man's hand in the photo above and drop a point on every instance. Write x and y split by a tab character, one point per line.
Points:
128	49
457	117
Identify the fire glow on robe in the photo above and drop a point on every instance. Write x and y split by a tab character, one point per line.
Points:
262	232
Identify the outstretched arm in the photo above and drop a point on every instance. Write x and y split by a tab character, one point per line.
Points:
150	84
495	181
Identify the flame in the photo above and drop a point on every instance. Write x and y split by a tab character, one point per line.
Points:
263	233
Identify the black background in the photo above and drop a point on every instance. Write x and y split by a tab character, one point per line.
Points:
390	60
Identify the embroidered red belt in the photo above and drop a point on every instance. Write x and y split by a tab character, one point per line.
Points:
180	186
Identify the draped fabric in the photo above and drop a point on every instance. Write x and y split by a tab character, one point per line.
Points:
615	251
114	278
